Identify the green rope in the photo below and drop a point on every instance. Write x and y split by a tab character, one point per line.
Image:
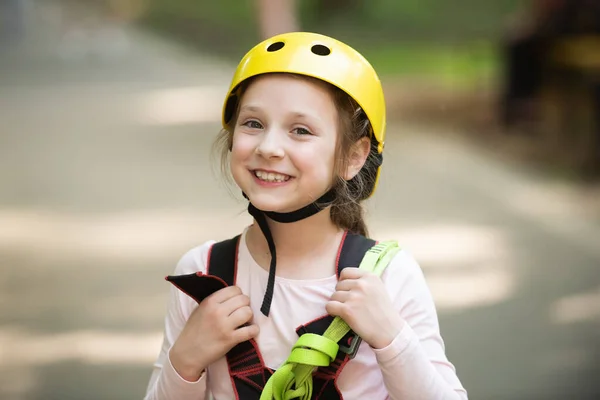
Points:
293	380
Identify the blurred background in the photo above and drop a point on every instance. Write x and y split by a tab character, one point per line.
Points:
491	178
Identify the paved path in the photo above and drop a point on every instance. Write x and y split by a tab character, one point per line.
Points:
105	180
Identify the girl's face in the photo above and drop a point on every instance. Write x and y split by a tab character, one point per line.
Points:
284	142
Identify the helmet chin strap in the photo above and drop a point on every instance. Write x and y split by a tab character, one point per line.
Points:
294	216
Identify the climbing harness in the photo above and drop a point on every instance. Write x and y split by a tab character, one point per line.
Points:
324	346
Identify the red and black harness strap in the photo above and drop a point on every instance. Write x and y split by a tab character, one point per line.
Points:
247	370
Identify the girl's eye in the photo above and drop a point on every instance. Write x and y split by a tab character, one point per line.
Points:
302	131
253	124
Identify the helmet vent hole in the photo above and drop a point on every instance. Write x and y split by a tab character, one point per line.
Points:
275	46
320	50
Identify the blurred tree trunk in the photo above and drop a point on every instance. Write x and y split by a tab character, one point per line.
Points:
277	16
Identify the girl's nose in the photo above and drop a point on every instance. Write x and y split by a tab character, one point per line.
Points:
270	145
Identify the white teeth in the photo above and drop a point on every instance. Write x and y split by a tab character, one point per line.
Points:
270	176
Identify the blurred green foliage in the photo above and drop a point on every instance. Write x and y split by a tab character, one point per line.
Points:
448	40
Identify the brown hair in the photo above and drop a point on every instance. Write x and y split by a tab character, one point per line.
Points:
353	124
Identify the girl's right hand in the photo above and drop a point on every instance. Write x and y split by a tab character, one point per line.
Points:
215	326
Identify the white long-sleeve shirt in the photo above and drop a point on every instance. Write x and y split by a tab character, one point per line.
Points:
414	366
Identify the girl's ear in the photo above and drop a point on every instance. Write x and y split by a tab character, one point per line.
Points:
357	157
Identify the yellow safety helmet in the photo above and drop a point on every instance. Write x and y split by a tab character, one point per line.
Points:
320	57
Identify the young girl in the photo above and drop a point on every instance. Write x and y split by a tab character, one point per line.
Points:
304	125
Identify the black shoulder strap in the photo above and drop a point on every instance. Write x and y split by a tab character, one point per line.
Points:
352	251
220	272
222	260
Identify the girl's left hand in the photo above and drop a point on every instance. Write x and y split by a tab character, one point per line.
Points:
362	301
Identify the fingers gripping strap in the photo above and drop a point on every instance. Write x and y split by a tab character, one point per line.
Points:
294	379
375	261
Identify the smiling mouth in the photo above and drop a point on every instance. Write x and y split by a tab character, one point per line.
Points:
271	176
